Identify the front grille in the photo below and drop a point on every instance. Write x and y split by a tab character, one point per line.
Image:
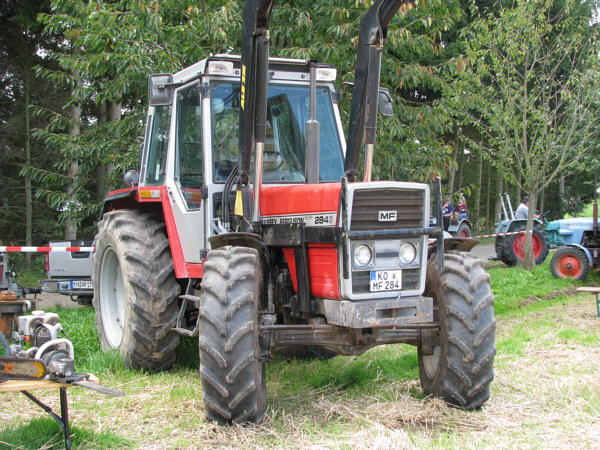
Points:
360	281
367	203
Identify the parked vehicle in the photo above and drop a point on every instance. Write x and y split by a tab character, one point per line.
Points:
510	249
70	273
296	255
459	224
582	246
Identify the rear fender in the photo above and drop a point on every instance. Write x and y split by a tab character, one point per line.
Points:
155	199
238	240
454	228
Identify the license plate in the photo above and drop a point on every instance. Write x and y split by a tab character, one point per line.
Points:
385	280
81	284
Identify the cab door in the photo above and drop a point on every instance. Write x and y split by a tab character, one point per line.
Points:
186	183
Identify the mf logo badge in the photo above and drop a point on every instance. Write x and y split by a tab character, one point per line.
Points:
387	216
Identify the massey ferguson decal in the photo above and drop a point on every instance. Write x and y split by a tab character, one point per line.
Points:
324	219
387	216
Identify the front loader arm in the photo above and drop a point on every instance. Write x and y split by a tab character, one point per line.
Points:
255	65
363	112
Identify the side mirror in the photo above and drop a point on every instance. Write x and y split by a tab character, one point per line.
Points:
131	178
160	89
386	108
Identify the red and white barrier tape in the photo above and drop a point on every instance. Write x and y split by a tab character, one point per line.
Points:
10	249
21	249
499	234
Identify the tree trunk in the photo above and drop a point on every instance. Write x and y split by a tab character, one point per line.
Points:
461	157
114	115
499	189
561	196
477	200
529	263
102	183
517	198
488	214
452	171
75	113
71	223
28	189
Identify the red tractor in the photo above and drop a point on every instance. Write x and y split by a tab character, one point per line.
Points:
248	228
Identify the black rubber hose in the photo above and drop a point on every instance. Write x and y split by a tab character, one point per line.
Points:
5	344
226	189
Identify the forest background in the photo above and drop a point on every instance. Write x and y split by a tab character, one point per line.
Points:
73	96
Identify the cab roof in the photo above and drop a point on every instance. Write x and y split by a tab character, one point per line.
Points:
283	68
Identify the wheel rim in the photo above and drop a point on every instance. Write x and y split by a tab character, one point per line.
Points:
112	298
432	362
568	266
465	233
519	245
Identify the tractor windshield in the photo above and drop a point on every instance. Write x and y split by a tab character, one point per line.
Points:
287	113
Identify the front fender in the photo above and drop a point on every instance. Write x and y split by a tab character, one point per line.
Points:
454	243
586	251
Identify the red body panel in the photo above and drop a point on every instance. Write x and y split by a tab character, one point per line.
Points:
322	258
299	198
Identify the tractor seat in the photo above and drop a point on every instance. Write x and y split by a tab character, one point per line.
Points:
272	157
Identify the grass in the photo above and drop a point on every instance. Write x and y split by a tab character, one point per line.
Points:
545	389
44	433
515	287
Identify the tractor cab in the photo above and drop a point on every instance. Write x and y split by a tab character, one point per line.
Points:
192	137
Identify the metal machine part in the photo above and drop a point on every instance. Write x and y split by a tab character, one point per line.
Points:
37	339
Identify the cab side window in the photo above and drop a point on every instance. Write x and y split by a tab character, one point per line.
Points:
189	161
157	148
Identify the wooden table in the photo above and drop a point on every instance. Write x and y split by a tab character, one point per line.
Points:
25	386
593	290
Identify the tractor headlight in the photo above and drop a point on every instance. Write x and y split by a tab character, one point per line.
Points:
362	255
408	253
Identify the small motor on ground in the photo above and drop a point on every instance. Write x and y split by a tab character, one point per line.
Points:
37	336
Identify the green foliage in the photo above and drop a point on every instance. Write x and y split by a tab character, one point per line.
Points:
530	90
111	47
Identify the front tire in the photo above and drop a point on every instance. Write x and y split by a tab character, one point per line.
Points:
570	262
461	366
233	375
135	291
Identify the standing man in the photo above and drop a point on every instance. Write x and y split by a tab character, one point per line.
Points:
447	211
523	209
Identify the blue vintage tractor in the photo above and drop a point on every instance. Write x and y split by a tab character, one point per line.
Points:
510	249
582	246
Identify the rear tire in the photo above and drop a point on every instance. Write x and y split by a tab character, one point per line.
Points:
513	246
461	367
570	262
135	291
233	376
